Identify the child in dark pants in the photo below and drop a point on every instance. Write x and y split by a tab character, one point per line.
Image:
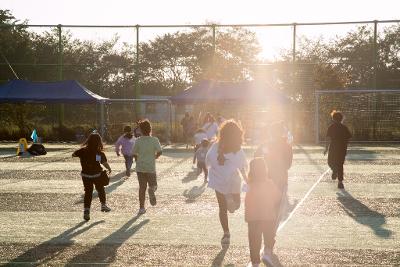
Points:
200	155
146	150
338	136
91	156
261	211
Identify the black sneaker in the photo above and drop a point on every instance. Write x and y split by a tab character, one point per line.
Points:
340	185
104	208
86	215
152	196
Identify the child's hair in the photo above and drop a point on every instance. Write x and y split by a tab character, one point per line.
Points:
258	170
94	142
337	115
230	139
200	130
205	143
128	131
145	127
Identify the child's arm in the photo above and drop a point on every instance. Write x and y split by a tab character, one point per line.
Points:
158	149
118	146
328	141
105	164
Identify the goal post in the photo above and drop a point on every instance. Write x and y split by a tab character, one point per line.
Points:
116	113
371	115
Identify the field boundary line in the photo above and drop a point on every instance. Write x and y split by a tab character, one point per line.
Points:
301	201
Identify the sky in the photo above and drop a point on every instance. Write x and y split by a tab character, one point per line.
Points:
156	12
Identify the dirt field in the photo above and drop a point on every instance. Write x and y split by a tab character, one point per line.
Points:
41	213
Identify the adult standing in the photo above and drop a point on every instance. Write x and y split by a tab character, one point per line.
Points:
185	122
226	161
210	126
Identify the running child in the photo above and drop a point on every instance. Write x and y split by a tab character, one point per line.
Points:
338	136
146	150
261	211
200	155
91	156
125	145
198	138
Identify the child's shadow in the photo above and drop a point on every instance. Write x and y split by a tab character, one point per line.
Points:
192	194
359	212
190	176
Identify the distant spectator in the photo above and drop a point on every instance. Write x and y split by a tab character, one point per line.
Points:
185	122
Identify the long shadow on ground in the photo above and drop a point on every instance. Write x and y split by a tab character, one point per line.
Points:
45	252
363	215
105	251
195	192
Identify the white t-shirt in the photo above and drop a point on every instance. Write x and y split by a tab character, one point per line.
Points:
225	178
211	129
198	137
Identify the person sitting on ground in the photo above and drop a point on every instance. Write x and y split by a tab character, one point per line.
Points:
146	150
125	145
200	155
261	211
91	156
198	138
338	136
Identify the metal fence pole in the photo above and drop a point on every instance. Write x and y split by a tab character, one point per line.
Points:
214	50
60	72
316	117
137	70
375	53
293	77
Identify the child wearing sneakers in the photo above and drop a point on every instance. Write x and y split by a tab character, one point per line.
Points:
338	136
91	156
198	138
125	145
200	155
146	150
261	211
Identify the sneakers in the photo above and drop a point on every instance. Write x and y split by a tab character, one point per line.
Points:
152	196
266	258
104	208
226	239
86	215
141	211
340	185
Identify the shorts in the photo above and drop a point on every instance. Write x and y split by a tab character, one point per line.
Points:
145	178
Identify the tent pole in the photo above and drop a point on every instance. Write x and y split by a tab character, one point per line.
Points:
102	122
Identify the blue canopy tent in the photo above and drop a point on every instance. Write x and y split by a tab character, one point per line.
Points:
62	92
249	92
70	91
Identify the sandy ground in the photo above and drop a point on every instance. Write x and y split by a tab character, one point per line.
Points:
41	213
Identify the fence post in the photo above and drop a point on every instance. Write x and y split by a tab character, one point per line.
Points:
60	72
316	118
375	52
293	77
214	47
137	70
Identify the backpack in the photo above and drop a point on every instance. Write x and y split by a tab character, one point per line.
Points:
37	149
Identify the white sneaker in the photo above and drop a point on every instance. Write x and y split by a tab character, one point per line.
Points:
141	211
266	259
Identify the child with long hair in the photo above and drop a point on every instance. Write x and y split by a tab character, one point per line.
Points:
227	163
261	210
91	156
338	136
125	145
146	150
